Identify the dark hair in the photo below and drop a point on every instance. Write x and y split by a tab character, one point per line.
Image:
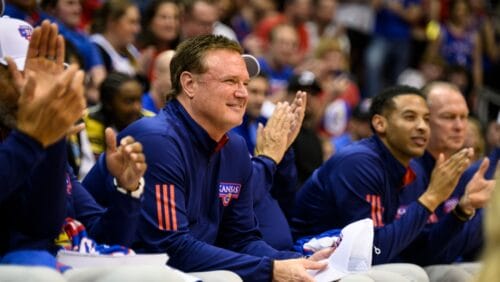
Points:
384	102
190	55
111	85
110	10
146	37
46	4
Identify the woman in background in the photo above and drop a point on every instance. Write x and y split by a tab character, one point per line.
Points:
115	27
160	31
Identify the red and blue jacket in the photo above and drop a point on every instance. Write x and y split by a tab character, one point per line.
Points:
445	239
362	181
198	203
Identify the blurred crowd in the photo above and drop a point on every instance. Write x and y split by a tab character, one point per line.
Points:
127	59
343	52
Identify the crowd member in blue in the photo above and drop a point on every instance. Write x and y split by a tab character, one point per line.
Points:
198	204
66	14
366	179
272	203
26	128
154	100
455	218
258	87
125	162
38	200
390	49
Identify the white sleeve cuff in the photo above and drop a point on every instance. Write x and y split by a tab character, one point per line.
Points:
134	194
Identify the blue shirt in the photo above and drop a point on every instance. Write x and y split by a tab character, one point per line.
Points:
390	25
148	103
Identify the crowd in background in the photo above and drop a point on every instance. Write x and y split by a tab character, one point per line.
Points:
349	50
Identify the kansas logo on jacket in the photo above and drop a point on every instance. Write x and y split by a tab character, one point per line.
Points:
228	191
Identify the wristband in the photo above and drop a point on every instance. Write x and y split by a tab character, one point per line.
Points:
459	213
134	194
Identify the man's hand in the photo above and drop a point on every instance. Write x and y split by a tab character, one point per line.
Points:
45	57
322	254
46	112
127	162
51	98
272	139
296	269
478	191
298	110
445	177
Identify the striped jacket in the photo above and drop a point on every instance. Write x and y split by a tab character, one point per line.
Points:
362	181
198	204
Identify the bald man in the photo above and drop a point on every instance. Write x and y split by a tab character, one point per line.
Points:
154	100
455	227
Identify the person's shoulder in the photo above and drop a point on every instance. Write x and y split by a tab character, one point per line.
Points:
147	124
355	155
147	113
235	142
362	148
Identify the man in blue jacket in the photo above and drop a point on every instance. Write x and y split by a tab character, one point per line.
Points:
47	187
36	193
198	204
366	179
39	190
454	231
44	191
274	198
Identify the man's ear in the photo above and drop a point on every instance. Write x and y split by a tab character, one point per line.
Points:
379	123
188	83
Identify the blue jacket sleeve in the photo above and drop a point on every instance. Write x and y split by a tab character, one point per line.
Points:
448	239
271	219
114	224
350	188
188	253
434	242
19	154
285	183
46	191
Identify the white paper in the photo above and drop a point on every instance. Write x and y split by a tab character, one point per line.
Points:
354	253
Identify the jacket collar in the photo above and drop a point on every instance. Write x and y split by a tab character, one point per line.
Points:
397	172
195	131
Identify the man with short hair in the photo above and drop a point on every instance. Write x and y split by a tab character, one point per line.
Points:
453	231
154	100
365	180
198	204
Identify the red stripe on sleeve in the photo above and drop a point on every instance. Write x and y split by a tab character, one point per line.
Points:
379	212
165	207
158	207
372	211
173	207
